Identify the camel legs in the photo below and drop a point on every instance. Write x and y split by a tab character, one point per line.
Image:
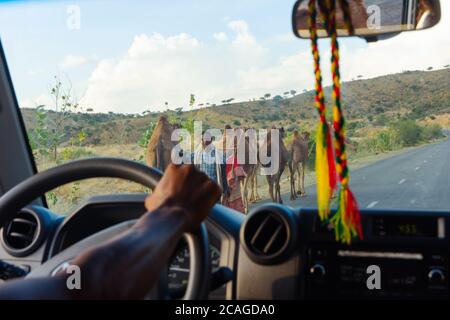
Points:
251	199
292	181
297	171
277	189
255	186
270	182
303	179
244	191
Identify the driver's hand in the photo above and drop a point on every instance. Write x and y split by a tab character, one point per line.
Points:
183	186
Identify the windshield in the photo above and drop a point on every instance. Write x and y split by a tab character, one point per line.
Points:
93	78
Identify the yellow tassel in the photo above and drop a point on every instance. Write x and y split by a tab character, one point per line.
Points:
322	173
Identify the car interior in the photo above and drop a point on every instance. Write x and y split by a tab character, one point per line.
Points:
276	251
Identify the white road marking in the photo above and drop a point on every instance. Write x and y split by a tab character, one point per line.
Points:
372	204
401	181
413	201
417	168
425	161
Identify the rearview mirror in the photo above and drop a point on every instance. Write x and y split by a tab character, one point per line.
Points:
369	18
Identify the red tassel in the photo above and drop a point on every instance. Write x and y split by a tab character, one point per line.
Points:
353	214
331	164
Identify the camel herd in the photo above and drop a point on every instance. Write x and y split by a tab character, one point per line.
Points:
294	156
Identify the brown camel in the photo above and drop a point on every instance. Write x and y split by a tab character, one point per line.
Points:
254	195
299	157
159	147
284	159
250	169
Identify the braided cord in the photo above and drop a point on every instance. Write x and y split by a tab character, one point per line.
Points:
320	98
338	119
347	218
325	166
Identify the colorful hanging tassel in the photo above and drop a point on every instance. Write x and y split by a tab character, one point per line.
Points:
325	167
347	220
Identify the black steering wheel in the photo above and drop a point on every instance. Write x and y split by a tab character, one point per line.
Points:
35	186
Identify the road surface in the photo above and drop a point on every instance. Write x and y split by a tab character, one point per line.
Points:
419	179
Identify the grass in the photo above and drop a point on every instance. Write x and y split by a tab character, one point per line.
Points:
63	199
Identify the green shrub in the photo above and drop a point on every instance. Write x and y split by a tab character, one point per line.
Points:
409	132
146	135
73	153
431	132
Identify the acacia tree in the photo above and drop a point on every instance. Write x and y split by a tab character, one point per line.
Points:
64	103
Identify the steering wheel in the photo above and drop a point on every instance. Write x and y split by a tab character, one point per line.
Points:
35	186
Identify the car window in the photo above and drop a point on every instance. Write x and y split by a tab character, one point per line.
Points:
93	78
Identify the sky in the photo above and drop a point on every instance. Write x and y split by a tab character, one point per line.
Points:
137	55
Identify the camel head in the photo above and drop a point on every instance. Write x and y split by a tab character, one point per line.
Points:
163	119
306	135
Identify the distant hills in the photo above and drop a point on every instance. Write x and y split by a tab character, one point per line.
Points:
418	95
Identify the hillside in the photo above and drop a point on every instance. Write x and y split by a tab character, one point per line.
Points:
416	95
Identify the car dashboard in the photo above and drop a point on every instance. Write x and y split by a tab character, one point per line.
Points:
275	252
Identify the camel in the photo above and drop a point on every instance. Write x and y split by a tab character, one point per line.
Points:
299	158
254	195
284	159
250	179
159	146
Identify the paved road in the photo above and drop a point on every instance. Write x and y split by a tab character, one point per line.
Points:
419	178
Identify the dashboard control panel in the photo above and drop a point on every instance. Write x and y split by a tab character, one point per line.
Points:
401	256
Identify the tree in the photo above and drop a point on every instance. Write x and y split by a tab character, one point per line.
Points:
277	99
39	136
64	103
191	100
267	95
293	92
143	141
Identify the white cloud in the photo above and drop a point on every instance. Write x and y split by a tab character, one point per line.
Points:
220	36
72	61
156	68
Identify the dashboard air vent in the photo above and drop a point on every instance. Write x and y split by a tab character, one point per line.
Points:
268	234
21	235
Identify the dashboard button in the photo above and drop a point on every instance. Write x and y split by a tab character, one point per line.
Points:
436	277
317	271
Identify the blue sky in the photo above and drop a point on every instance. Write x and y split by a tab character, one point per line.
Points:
130	56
